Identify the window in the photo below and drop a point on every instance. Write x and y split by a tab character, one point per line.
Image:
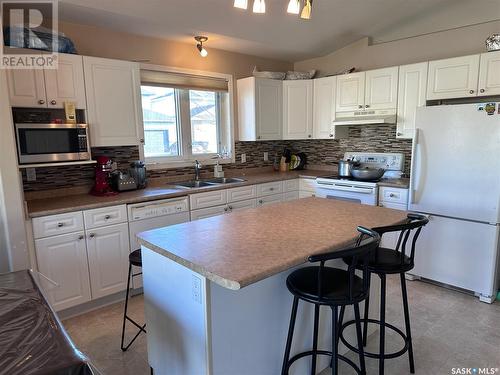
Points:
184	122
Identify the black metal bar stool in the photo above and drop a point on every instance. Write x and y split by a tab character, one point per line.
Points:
134	259
333	287
391	261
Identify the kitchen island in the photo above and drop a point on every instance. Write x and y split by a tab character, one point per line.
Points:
215	295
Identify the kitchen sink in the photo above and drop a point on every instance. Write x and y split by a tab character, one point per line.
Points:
205	183
224	180
191	184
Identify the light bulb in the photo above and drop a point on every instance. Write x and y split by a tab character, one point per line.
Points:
259	6
203	52
293	7
242	4
306	11
200	39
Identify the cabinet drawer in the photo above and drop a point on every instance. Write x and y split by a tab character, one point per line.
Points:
208	212
241	193
306	194
269	188
54	225
241	205
269	199
291	185
393	195
100	217
208	199
290	196
307	184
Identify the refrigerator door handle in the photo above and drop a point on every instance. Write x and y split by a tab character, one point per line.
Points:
413	168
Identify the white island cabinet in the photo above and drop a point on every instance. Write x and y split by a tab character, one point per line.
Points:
215	293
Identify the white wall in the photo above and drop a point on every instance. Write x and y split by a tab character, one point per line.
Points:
13	245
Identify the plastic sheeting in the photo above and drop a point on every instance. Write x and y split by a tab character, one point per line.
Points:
32	339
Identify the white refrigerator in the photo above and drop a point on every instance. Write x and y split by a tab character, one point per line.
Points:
455	179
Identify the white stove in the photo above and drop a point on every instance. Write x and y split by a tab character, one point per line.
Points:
365	192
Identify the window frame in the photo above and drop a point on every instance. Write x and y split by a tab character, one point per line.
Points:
226	133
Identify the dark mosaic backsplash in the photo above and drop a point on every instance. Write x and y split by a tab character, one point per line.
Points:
319	152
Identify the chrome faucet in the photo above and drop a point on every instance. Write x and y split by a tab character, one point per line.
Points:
197	168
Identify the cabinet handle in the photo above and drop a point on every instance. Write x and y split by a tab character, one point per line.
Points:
331	135
60	225
399	134
53	102
92	235
141	140
471	92
367	106
225	209
41	101
360	106
271	189
482	90
309	135
80	237
230	207
107	217
261	201
392	195
258	137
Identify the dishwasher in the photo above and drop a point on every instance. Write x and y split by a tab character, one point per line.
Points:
152	215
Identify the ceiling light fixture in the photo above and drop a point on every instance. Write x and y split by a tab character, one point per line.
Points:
199	45
242	4
259	6
293	7
306	11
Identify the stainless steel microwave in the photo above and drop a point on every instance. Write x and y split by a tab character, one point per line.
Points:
49	143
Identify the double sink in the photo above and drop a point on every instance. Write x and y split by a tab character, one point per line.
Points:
206	183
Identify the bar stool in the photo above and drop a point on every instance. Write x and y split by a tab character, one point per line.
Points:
391	261
134	259
332	287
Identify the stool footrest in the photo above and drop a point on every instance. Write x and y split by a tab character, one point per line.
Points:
399	353
322	352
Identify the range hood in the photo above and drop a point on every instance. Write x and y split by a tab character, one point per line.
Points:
372	117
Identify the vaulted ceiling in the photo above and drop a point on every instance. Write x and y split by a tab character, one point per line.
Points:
276	34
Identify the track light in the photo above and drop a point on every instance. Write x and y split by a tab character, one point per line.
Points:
199	45
242	4
259	6
306	11
293	7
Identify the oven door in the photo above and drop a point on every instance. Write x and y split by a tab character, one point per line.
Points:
363	195
46	143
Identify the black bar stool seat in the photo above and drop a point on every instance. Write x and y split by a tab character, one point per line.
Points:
135	258
388	261
334	286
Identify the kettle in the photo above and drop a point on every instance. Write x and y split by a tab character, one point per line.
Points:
345	168
137	171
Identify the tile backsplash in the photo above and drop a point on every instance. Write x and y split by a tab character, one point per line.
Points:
319	152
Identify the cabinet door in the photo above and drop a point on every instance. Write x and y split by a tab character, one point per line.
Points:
324	107
208	212
268	109
453	78
66	83
411	95
350	92
108	250
297	109
63	259
26	88
489	74
114	102
382	88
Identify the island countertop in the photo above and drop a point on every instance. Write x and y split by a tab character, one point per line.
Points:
241	248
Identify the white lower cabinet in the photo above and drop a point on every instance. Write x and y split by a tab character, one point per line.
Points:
397	199
208	212
290	196
235	206
108	251
269	199
63	259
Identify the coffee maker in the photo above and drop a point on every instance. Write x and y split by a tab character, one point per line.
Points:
103	170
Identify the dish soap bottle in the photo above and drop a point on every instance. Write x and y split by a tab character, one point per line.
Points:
218	172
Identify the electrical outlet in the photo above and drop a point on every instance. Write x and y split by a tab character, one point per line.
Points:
243	158
266	156
196	289
31	174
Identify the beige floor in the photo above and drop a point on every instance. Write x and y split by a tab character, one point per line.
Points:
450	330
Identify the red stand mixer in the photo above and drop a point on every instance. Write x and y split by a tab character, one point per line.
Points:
103	171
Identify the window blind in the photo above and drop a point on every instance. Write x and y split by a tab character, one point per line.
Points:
184	81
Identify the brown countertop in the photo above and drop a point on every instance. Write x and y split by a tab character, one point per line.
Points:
237	250
77	202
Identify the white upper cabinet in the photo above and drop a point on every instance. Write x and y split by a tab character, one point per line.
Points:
260	103
411	95
350	92
114	102
381	88
49	88
298	109
66	83
453	78
489	74
324	107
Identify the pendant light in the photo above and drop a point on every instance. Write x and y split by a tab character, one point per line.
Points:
201	39
259	6
242	4
306	11
293	7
